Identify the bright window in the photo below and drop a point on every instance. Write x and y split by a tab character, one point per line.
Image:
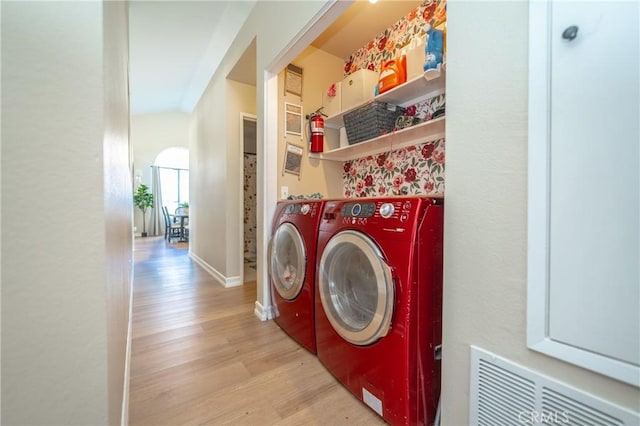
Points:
173	166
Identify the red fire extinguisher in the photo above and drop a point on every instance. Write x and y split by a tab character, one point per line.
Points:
316	129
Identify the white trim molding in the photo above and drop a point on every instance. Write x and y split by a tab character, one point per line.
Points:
264	314
539	180
124	416
233	281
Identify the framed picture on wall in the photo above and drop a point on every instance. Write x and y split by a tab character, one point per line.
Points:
293	80
292	160
293	119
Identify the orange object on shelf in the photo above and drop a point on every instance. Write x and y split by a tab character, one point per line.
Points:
392	73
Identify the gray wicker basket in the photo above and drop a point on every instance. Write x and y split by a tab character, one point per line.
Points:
371	121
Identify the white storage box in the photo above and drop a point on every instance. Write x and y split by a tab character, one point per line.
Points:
332	105
415	61
358	88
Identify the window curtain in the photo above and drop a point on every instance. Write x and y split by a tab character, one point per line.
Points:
157	219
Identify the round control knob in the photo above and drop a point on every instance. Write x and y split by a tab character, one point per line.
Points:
386	210
305	209
356	209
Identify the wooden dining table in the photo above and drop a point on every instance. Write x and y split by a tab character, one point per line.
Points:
183	215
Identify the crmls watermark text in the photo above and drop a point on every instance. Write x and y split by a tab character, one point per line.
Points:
534	417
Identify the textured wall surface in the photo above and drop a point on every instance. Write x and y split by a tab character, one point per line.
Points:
485	288
65	186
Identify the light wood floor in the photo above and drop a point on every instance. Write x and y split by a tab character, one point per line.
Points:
201	357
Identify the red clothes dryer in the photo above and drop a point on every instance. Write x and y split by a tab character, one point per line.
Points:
292	263
379	302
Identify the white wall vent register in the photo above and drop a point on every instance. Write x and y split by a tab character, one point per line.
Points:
505	393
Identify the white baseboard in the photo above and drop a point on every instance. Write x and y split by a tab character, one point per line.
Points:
234	281
124	414
264	314
226	282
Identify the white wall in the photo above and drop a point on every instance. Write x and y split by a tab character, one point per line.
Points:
215	207
208	182
240	98
150	135
325	177
274	25
486	204
66	212
117	207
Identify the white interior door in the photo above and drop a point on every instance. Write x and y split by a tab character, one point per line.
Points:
594	192
584	194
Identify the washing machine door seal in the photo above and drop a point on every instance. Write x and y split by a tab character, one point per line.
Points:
287	261
356	288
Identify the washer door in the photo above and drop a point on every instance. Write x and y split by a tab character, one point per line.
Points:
287	260
356	288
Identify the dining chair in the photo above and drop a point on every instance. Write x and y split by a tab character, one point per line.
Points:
171	227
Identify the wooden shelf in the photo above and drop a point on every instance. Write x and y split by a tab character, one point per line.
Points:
423	132
429	84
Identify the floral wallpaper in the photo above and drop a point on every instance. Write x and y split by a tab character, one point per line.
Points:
415	170
250	207
410	171
424	110
388	44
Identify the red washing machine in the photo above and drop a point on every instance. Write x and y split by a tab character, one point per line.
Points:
379	302
292	268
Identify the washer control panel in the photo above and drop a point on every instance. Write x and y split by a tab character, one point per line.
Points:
360	210
391	209
386	210
399	210
300	208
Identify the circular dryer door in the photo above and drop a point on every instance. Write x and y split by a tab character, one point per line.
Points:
356	288
287	260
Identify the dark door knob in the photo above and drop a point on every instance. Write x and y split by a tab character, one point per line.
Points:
570	33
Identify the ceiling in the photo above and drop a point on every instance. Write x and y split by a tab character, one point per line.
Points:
175	46
359	24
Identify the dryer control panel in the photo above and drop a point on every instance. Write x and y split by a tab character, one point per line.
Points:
395	209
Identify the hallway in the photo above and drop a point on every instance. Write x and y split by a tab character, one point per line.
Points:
200	356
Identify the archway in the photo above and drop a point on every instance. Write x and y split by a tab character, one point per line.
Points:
170	184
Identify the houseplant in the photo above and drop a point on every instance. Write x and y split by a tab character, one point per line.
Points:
143	199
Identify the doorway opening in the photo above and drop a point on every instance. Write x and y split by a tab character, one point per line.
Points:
250	194
170	177
242	87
